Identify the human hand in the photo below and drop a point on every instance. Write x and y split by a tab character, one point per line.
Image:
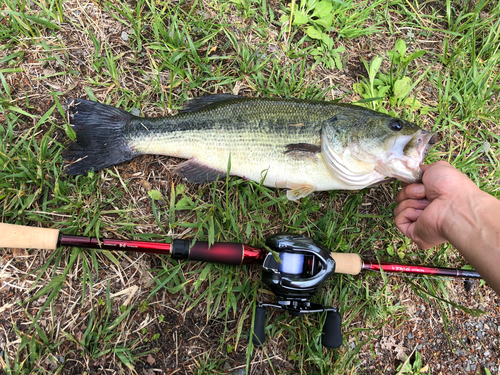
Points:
423	208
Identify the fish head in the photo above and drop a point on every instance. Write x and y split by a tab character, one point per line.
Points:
403	150
375	147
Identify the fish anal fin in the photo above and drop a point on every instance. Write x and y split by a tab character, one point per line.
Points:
198	173
201	102
298	191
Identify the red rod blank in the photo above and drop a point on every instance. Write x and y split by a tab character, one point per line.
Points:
115	244
421	270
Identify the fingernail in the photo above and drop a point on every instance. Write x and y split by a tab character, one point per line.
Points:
419	190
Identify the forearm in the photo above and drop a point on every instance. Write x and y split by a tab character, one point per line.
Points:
473	227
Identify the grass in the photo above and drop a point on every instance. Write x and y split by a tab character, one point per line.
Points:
78	310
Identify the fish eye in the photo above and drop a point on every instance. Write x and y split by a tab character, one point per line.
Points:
396	125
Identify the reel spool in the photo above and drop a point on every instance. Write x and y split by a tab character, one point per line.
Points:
304	268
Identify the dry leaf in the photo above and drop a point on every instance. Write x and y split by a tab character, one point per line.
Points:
237	87
150	360
145	184
388	343
425	368
19	253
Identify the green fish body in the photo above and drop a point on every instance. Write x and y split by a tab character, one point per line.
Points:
300	145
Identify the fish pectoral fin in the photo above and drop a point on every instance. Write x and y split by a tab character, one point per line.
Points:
298	191
196	104
302	147
302	151
198	173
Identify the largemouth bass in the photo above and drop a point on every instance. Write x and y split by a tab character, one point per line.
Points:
301	145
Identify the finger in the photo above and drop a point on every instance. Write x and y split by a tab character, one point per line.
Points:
422	244
424	167
419	204
405	220
407	216
413	191
408	229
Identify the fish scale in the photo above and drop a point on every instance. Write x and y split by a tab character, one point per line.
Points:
301	145
256	145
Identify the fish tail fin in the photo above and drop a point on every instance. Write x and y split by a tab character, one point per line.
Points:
100	137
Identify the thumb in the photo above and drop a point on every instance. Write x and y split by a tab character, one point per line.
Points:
424	167
410	232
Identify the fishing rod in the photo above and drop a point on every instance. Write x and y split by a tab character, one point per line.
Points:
303	268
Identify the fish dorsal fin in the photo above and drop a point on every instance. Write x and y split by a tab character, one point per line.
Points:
201	102
198	173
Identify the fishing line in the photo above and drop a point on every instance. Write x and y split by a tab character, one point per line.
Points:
291	263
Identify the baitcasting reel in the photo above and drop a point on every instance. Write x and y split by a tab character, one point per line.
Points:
305	267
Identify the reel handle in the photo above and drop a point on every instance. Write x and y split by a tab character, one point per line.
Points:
259	324
332	330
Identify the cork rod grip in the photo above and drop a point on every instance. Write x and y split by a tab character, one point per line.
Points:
19	236
350	264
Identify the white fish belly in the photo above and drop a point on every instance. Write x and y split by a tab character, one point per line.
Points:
254	156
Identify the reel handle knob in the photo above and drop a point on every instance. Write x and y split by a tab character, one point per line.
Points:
332	331
259	323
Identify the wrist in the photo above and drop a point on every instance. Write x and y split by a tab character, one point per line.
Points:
465	216
474	230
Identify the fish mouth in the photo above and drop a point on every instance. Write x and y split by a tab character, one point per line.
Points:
416	151
406	157
422	143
